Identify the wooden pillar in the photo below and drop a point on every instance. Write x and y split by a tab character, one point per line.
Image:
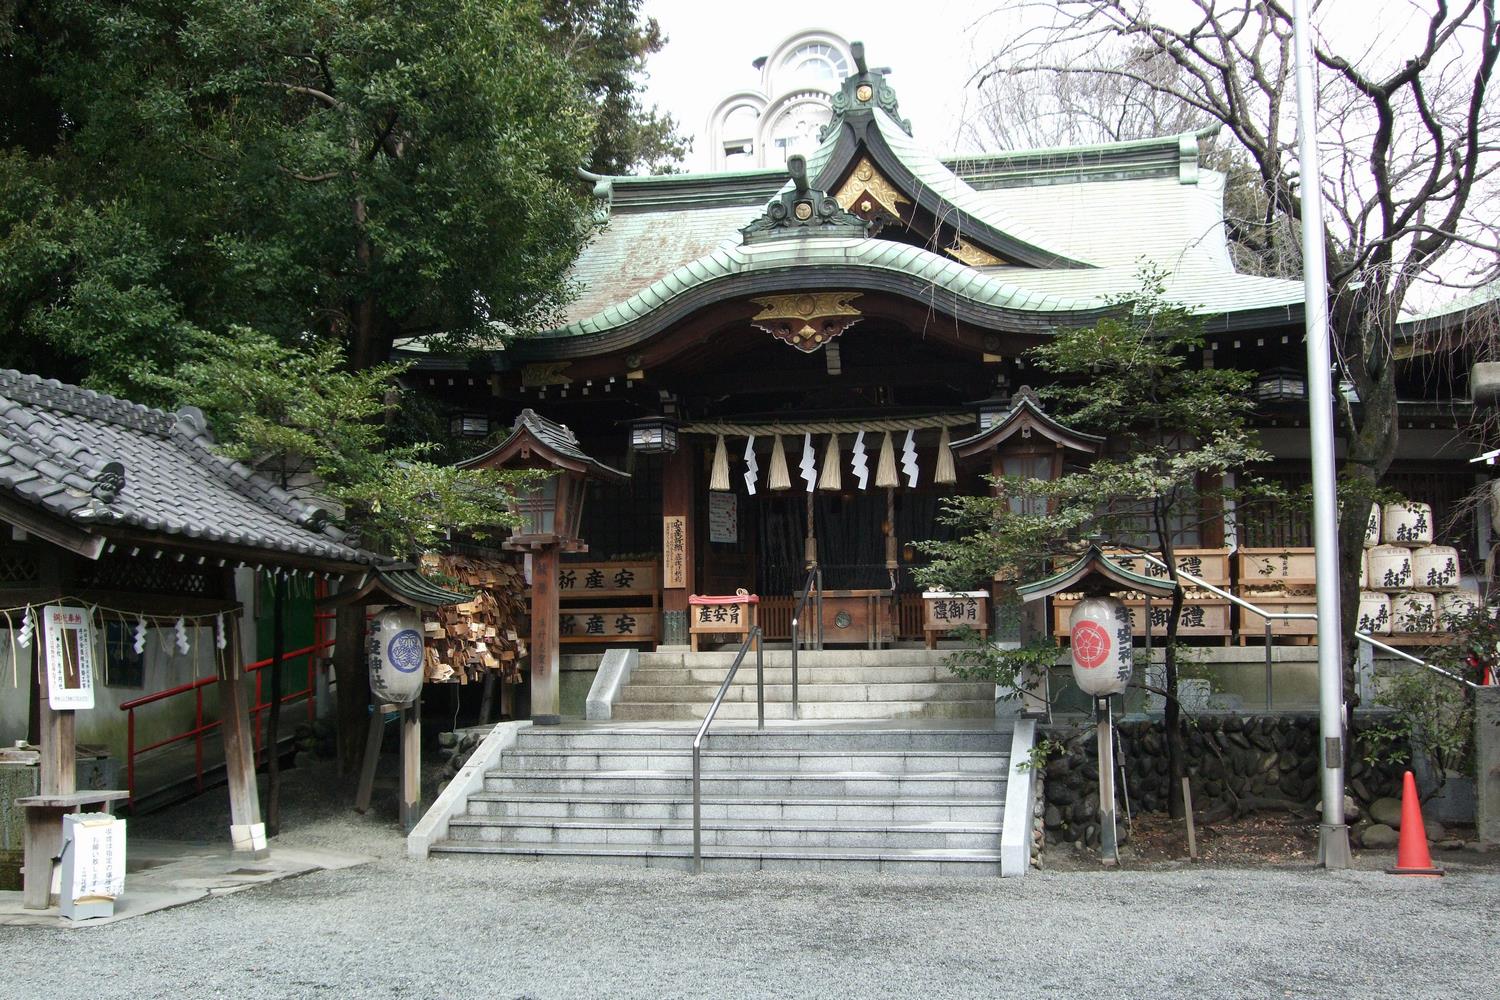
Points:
545	662
678	500
42	841
246	831
411	763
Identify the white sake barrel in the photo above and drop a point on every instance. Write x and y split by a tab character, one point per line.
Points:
1434	567
1454	606
396	655
1374	612
1364	569
1099	636
1407	524
1390	567
1372	528
1413	612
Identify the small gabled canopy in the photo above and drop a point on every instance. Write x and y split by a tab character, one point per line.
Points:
536	441
1026	417
399	583
1094	563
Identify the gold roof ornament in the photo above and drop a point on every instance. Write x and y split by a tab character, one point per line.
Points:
865	190
806	320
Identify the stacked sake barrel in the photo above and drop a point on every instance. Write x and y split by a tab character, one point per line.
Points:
1412	587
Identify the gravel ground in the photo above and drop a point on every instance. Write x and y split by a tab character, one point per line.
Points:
486	928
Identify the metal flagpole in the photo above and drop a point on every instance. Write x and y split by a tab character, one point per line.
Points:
1333	834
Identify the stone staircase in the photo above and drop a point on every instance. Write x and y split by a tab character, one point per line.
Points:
875	797
833	685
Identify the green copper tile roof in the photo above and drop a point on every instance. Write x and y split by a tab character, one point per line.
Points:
1093	562
914	263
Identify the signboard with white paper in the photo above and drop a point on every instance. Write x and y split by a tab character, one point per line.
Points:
723	518
68	637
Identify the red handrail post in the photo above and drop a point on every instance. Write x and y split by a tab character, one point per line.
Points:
130	756
198	739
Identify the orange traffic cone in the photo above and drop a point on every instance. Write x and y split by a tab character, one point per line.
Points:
1412	857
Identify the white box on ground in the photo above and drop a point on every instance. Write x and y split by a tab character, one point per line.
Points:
92	865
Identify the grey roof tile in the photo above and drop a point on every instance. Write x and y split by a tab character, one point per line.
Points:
57	443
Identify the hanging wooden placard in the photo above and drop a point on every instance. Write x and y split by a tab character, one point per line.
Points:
674	551
723	518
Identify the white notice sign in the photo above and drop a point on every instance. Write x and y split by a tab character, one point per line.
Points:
69	637
723	518
99	866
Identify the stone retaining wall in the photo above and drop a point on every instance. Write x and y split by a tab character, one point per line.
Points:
1236	764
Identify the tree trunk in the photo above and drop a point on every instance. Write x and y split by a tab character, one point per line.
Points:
353	686
1172	714
273	717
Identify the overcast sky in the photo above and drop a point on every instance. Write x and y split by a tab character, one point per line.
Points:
931	46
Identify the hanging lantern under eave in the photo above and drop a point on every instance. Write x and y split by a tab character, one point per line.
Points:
1281	385
653	435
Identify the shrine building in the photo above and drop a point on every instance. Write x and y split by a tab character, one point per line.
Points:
797	363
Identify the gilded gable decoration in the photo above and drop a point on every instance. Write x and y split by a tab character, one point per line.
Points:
968	253
866	190
803	211
806	320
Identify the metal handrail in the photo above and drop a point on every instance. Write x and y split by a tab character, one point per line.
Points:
813	584
755	635
1363	637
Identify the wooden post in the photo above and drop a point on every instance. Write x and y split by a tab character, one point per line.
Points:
371	758
1187	804
246	831
1109	848
411	763
545	661
58	776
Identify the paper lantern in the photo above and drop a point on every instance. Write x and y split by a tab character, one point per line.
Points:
1100	646
396	655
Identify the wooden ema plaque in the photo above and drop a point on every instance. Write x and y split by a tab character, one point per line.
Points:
943	611
674	551
715	616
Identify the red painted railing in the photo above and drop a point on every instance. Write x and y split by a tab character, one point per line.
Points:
201	727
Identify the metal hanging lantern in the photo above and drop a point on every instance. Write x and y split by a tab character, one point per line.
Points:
653	435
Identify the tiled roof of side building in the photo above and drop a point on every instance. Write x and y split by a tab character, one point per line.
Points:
97	461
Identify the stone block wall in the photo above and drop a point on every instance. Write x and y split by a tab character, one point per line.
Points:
1236	764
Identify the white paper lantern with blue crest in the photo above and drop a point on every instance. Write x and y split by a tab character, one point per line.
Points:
396	654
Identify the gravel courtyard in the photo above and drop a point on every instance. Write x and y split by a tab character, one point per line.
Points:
487	928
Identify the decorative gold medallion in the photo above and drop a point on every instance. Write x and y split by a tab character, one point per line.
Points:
803	210
546	373
806	320
864	92
969	254
865	186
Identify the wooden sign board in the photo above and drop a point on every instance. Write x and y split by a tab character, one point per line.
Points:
942	610
1204	617
1277	567
68	638
607	625
722	617
1209	565
674	551
723	518
605	579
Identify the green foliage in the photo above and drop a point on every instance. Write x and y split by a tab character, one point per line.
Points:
342	169
1042	751
1005	668
299	413
607	43
1173	429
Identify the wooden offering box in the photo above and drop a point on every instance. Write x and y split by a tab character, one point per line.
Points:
721	616
1209	565
1253	625
1271	568
943	611
608	602
858	617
